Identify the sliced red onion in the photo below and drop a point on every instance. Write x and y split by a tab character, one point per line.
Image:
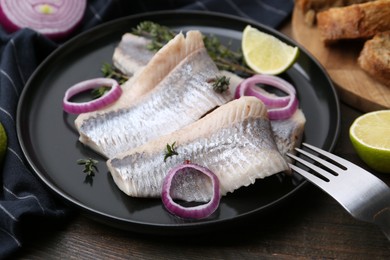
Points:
196	212
286	112
111	96
278	107
53	18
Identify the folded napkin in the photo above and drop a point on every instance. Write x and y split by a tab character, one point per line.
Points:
24	200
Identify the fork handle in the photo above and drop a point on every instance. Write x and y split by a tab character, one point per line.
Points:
382	219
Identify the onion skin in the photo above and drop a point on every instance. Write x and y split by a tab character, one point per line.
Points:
55	19
197	212
110	97
279	108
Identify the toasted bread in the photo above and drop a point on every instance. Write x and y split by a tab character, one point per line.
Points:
320	5
354	21
311	7
375	57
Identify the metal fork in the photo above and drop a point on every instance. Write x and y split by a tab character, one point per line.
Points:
363	195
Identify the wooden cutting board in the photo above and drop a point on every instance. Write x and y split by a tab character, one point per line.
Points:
354	86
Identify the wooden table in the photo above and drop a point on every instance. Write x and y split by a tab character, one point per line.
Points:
311	225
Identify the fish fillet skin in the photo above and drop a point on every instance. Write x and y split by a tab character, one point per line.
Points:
132	54
235	141
182	96
288	133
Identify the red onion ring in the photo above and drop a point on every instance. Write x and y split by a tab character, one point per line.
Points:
278	107
53	18
76	108
196	212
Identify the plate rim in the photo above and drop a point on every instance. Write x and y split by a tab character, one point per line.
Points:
189	226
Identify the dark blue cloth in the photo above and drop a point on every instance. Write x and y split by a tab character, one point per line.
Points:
24	200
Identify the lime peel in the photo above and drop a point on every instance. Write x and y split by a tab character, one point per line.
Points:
370	136
3	142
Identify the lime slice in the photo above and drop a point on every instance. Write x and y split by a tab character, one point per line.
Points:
370	136
3	142
266	54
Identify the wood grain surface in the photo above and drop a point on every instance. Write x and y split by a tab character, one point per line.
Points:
354	86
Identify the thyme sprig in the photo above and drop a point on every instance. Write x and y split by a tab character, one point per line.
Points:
220	83
89	166
159	34
223	56
170	151
98	92
108	71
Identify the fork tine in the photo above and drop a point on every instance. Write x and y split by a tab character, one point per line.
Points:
329	165
311	177
315	168
335	158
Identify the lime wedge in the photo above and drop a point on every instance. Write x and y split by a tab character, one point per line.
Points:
370	136
266	54
3	142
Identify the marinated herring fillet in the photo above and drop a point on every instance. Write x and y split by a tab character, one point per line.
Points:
235	141
288	133
132	54
160	66
171	92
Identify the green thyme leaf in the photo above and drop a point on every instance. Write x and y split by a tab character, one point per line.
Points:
159	34
98	92
89	166
109	71
170	151
220	83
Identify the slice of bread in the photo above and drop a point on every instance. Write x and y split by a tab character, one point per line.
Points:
375	57
311	7
354	21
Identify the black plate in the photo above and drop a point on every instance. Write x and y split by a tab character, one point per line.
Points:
50	143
